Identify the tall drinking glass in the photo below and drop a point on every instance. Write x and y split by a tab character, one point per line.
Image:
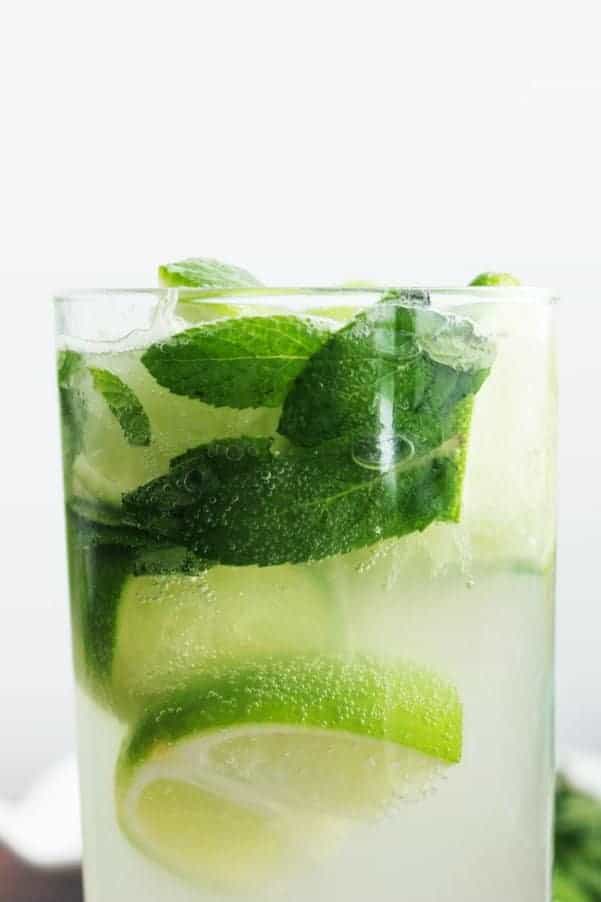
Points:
311	557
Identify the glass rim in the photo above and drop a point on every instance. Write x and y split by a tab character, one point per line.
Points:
476	293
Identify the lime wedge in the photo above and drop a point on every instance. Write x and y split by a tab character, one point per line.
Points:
170	626
222	845
151	618
237	778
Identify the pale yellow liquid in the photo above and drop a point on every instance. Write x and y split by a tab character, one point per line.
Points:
473	602
483	832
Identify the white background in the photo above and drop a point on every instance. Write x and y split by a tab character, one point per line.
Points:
308	141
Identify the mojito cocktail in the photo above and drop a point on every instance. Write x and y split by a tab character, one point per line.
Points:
311	551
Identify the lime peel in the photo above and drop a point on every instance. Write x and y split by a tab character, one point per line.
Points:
404	704
242	776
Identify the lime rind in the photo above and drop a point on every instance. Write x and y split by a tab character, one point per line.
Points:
242	776
171	626
404	704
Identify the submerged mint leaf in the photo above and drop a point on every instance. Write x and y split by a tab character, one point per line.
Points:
68	363
203	272
245	362
378	416
151	552
124	405
73	407
101	559
397	369
89	531
242	501
97	573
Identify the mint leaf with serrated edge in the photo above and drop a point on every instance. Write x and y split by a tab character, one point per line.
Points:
124	405
397	369
203	272
245	362
243	501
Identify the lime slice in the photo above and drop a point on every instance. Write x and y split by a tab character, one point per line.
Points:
200	308
149	619
197	309
495	278
235	779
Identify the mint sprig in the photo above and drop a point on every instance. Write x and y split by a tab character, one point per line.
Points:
376	425
73	406
124	405
245	362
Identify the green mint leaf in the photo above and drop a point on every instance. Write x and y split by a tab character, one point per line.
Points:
495	279
97	573
397	369
242	501
89	530
202	272
68	364
73	407
124	406
245	362
151	553
577	873
379	415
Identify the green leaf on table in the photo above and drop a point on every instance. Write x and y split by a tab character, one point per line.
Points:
124	405
246	362
577	846
565	889
398	369
246	501
101	559
203	272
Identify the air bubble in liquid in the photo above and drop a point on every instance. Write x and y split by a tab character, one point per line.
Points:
382	452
